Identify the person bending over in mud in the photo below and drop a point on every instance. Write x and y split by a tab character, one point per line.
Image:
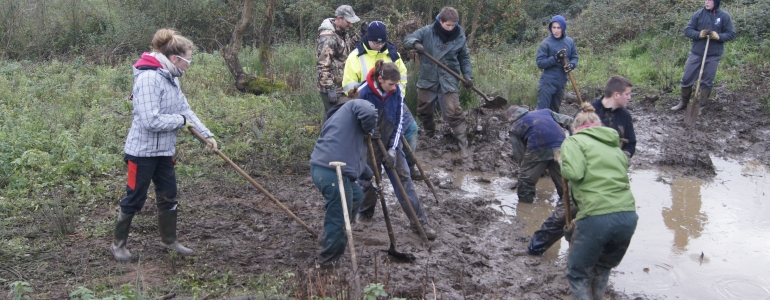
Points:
536	137
597	170
612	113
342	139
381	88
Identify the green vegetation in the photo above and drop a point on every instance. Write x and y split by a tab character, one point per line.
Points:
65	111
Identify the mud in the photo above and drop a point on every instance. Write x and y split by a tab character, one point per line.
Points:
239	234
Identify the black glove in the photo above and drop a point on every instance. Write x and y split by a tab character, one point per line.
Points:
389	161
468	82
367	174
362	28
569	67
560	55
419	48
332	96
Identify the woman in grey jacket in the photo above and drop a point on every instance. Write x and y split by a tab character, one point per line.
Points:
160	109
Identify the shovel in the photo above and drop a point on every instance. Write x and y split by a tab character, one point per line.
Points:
691	114
574	86
351	248
403	257
497	102
569	227
419	167
254	183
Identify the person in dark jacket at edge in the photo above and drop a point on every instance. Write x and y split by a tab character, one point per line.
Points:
381	88
709	22
445	41
342	139
550	58
612	113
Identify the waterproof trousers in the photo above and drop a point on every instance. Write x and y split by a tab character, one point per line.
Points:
143	170
531	168
327	105
549	95
335	240
402	171
552	229
692	69
450	107
598	245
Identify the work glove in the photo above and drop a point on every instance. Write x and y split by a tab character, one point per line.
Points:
389	160
704	33
362	28
187	125
569	67
714	35
212	145
468	82
332	96
419	48
560	55
367	174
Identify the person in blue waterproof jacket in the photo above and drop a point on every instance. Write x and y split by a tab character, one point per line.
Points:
550	58
381	88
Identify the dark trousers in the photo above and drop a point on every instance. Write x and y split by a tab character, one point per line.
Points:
692	69
598	245
552	229
411	138
450	107
549	95
530	170
327	105
143	170
402	171
335	240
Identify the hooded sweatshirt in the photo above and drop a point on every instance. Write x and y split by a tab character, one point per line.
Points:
160	108
714	20
342	138
553	71
390	109
597	171
540	129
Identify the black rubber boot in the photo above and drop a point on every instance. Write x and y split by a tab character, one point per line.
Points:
414	172
462	140
167	226
686	93
703	100
429	126
122	227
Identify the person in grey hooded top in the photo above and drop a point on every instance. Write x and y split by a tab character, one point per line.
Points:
550	58
709	22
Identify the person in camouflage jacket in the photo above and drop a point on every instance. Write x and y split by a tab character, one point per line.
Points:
332	48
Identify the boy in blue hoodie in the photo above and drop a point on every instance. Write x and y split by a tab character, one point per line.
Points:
550	58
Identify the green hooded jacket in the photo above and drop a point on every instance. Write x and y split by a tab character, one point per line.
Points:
597	171
454	54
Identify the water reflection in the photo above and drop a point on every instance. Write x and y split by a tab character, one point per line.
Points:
684	216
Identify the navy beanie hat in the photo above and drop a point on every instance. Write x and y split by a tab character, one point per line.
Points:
376	32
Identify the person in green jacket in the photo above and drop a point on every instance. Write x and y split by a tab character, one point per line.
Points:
445	41
597	169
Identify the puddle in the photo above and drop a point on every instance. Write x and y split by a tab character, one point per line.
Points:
725	219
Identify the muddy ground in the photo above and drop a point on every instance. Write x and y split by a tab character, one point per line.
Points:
239	234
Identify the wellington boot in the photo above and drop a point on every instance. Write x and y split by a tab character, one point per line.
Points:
429	232
462	140
703	100
167	226
430	127
118	246
686	93
414	172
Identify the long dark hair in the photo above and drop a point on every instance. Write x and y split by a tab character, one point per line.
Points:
388	71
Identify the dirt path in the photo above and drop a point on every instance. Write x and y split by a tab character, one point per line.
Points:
239	234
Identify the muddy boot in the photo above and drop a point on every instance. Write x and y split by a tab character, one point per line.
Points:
703	100
118	246
429	232
414	172
167	227
430	127
686	93
462	140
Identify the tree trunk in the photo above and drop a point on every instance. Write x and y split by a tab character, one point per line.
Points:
475	22
265	55
246	83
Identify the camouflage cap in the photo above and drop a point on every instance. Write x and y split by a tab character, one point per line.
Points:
347	12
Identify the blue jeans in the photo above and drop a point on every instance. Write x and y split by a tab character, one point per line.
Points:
411	138
142	171
598	245
549	95
335	240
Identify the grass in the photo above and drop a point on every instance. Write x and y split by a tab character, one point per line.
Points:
63	125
